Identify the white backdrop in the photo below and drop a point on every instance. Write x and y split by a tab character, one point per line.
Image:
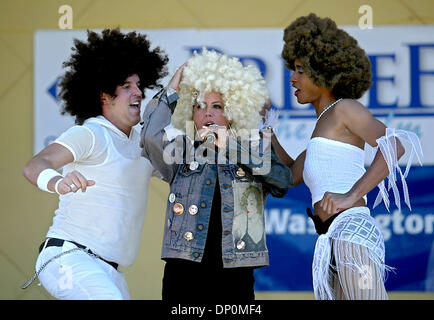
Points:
263	47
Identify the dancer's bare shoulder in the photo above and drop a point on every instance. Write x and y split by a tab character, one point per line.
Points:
360	121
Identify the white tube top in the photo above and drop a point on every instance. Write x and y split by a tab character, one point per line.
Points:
332	166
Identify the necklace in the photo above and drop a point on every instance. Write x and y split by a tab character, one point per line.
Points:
331	105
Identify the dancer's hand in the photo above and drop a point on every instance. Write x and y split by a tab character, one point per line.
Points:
335	202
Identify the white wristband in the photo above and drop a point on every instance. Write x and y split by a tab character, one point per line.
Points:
44	177
57	185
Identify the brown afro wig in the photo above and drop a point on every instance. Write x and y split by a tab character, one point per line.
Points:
329	55
104	62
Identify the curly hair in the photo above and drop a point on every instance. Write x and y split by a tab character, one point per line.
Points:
242	88
256	192
330	57
104	62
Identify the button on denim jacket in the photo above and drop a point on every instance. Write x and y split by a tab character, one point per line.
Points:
243	196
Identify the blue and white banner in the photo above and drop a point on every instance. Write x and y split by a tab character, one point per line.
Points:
402	96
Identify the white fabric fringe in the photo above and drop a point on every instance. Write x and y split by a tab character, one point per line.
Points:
387	145
320	269
271	116
354	225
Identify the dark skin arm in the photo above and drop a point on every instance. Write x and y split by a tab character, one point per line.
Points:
296	166
360	122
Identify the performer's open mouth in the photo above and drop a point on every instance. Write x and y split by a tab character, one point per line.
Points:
135	105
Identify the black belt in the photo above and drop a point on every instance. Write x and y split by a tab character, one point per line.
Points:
54	242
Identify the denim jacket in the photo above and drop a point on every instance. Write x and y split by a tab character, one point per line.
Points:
243	195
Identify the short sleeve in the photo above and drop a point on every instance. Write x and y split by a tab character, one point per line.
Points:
79	140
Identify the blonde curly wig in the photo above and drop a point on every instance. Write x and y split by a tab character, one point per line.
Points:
242	88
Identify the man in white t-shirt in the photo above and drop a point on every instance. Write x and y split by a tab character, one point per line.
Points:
104	185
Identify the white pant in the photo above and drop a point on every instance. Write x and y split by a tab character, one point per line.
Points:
79	276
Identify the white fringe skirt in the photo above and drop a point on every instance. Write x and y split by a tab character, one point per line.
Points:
348	261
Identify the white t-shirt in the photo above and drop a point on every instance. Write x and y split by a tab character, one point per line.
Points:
108	218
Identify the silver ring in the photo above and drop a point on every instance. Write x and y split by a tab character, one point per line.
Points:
72	186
